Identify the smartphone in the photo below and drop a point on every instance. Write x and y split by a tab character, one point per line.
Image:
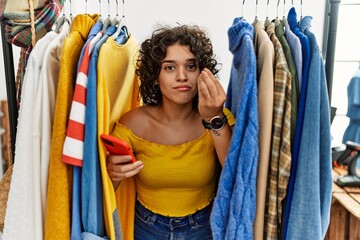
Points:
117	146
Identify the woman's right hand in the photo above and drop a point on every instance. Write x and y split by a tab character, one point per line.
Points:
119	167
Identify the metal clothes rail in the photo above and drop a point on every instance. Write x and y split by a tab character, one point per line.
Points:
329	43
10	88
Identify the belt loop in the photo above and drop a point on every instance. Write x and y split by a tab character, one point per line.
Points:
153	218
191	221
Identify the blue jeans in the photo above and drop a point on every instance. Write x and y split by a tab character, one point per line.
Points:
152	226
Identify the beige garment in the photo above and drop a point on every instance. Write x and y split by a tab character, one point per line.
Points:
264	50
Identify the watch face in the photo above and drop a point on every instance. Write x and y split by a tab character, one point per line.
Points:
217	123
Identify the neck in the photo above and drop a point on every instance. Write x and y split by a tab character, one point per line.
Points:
177	113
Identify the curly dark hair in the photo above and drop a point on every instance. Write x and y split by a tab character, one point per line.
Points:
153	51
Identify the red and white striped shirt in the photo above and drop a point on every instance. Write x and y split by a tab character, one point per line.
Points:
74	140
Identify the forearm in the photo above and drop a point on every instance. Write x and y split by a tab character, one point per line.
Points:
221	139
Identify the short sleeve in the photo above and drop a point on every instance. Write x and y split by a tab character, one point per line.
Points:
123	132
230	117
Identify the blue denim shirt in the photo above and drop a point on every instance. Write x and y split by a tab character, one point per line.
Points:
292	19
310	207
91	199
76	224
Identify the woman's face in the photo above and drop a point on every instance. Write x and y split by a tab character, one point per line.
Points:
178	75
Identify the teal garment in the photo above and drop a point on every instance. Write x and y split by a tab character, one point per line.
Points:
280	34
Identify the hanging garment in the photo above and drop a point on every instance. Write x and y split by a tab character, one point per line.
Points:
25	22
352	132
292	20
44	108
280	34
15	15
74	141
310	206
60	175
280	161
234	205
92	214
296	52
265	56
117	93
23	218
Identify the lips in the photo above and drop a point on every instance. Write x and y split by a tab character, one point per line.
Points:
183	88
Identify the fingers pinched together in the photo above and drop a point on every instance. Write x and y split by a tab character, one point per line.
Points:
211	95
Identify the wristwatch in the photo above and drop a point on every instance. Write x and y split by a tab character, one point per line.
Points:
216	123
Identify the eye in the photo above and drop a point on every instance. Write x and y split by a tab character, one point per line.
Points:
192	66
169	68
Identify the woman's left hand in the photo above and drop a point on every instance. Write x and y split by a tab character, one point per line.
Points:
211	95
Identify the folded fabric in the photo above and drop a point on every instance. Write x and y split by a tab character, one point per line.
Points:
16	16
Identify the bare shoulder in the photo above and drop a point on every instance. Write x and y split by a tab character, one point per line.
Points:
136	118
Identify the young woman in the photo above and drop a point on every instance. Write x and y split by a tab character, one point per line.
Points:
179	136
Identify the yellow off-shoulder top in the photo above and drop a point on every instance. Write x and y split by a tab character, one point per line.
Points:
176	180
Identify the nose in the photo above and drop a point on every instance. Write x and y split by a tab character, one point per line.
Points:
182	74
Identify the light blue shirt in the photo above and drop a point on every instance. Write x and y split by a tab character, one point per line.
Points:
295	47
310	207
92	201
76	224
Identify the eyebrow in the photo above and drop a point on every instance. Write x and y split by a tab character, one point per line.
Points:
173	61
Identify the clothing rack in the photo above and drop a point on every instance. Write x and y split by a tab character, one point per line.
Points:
329	43
10	88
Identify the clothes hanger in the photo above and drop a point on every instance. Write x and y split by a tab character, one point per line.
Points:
86	5
277	21
100	19
121	24
284	20
267	20
242	9
60	21
256	13
116	19
107	20
71	15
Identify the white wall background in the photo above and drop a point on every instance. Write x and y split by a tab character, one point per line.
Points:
214	16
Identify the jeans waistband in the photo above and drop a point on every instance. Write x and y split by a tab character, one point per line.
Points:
174	222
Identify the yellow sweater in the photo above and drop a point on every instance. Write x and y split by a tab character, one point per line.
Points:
186	171
117	93
59	195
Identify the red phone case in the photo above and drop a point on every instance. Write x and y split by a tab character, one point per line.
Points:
117	146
